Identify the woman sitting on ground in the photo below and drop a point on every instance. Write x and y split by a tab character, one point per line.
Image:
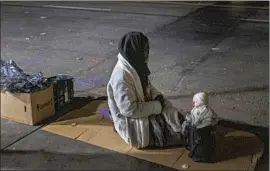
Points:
141	115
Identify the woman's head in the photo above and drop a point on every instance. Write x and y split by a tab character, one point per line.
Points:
134	47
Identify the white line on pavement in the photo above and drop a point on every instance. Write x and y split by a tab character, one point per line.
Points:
255	20
210	4
79	8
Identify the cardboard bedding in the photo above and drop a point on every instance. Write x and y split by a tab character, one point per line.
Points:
88	125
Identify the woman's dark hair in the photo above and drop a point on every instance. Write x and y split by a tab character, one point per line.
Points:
134	47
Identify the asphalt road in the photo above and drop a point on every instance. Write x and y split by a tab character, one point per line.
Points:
218	47
193	48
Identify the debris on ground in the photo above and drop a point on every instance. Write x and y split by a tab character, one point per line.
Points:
185	166
79	59
215	49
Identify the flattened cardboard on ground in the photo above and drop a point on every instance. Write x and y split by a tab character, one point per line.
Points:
101	134
74	124
87	135
69	131
236	150
79	117
28	108
238	147
99	107
108	139
166	157
235	164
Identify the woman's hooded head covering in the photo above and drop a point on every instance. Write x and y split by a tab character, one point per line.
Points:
134	47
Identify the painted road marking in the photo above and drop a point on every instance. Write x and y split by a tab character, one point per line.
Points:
255	20
210	4
79	8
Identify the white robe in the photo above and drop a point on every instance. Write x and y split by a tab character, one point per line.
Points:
128	107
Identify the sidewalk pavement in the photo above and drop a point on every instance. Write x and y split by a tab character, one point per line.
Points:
103	148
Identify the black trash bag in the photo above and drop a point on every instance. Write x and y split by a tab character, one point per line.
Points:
201	144
13	79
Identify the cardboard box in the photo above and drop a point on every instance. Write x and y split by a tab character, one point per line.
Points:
28	108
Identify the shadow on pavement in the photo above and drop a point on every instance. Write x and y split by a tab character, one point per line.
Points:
234	146
78	103
262	133
19	159
95	112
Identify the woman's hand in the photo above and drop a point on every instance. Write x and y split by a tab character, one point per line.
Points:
161	100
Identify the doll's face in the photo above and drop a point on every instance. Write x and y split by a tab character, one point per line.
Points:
200	99
195	104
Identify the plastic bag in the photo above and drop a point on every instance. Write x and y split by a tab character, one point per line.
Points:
13	79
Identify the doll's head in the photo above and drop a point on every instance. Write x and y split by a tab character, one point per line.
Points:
200	99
